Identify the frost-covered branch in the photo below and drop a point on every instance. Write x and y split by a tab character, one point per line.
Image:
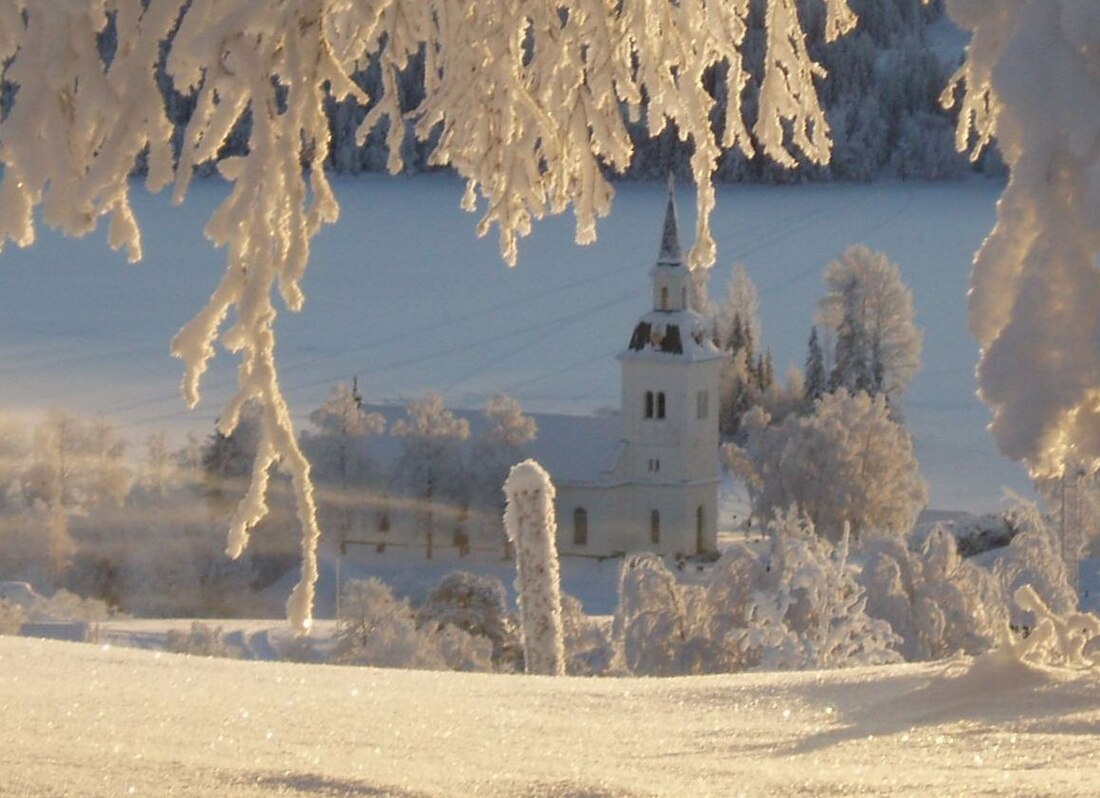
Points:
1032	80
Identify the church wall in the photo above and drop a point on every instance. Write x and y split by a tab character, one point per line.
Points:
685	445
605	509
620	518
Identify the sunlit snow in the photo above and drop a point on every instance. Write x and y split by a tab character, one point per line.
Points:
102	721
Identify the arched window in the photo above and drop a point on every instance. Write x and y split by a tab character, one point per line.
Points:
661	404
655	527
700	543
580	527
649	404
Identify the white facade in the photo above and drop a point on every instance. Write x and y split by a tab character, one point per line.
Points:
662	492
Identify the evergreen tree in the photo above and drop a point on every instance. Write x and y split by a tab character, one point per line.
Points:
815	370
852	362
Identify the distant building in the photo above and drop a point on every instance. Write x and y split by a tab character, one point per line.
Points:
659	489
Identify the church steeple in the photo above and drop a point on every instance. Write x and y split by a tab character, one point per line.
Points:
670	278
670	254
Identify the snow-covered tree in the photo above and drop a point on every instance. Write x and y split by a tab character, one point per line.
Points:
159	469
495	451
478	605
430	469
870	311
527	101
376	628
848	463
531	526
741	306
341	467
75	465
1031	81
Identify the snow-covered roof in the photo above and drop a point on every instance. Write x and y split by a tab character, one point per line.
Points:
572	449
577	449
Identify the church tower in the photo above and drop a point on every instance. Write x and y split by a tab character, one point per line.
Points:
670	412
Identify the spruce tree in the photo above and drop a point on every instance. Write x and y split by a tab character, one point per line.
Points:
815	370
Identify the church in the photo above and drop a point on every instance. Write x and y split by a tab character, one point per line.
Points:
659	488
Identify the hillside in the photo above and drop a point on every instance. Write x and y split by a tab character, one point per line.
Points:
105	722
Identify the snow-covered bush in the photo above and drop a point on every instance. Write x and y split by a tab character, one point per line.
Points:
477	605
796	606
1065	639
936	602
531	526
66	606
201	640
846	464
376	628
588	647
12	617
462	651
1034	558
659	623
811	612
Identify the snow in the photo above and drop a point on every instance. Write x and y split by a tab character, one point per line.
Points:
402	293
104	721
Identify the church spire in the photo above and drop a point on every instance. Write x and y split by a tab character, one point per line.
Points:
670	254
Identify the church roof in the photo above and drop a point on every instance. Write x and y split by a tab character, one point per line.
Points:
681	334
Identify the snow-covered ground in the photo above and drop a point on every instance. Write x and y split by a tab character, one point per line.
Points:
104	721
402	293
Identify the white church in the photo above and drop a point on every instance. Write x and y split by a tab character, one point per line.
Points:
659	488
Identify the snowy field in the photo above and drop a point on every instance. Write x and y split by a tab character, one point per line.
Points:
402	293
102	721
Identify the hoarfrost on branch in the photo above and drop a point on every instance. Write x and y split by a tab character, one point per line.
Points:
529	101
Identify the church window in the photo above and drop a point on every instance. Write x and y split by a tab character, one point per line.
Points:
702	404
655	526
700	546
649	404
661	404
580	527
664	297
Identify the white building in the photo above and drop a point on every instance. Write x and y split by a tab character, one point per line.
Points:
660	489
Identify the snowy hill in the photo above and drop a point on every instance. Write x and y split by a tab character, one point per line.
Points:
402	293
104	721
